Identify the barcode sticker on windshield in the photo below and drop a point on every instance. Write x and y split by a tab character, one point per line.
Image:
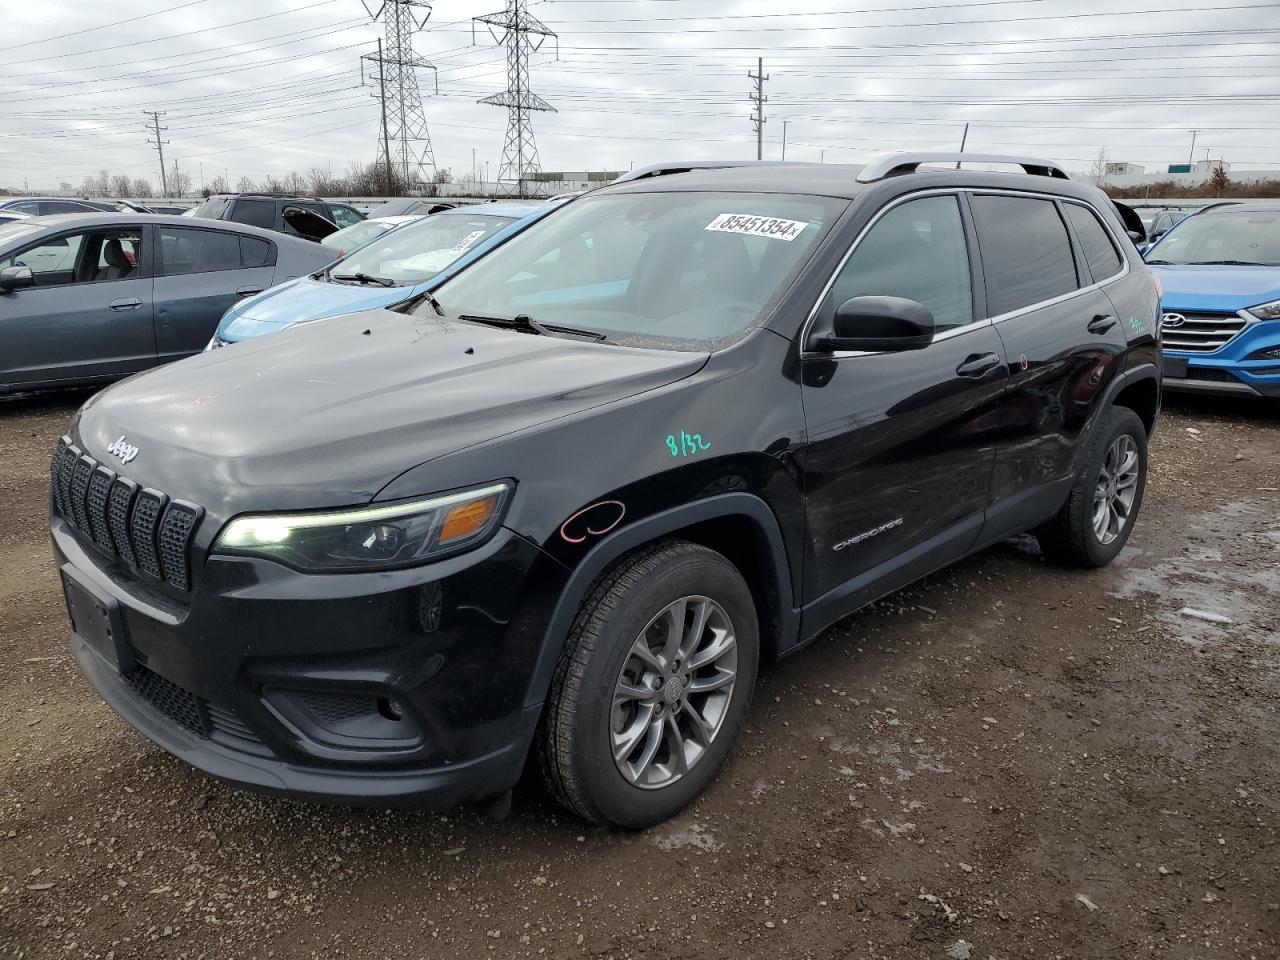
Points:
750	226
466	241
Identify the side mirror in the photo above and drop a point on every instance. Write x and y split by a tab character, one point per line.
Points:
881	324
1137	237
14	278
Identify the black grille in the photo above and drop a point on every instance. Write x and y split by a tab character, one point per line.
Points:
175	534
1211	374
119	504
80	472
142	530
337	707
181	706
148	532
96	506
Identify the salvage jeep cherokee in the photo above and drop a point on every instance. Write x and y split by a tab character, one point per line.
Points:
567	504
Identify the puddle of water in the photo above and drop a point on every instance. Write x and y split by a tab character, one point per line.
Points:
1199	578
694	836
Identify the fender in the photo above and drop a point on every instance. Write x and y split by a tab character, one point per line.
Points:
1125	378
646	530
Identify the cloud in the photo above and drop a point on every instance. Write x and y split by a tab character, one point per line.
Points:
252	89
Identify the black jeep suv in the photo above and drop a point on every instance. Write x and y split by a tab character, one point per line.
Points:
567	504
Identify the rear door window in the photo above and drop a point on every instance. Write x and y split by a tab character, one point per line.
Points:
1026	254
1095	243
197	251
256	213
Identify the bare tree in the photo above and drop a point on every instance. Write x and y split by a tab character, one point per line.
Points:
89	186
121	186
102	185
141	188
65	186
1098	172
179	181
219	185
245	185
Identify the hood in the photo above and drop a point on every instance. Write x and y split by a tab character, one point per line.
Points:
301	300
1220	289
328	415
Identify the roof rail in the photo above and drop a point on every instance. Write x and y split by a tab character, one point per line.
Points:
687	166
900	163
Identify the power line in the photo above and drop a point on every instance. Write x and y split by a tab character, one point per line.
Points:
104	26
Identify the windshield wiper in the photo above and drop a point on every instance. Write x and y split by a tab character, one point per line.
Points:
1227	263
1161	263
526	324
362	278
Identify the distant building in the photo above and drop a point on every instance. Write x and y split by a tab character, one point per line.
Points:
1124	169
561	181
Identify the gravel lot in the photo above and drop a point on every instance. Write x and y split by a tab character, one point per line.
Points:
1007	760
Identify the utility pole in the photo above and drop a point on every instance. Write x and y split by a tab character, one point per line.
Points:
822	156
404	121
784	138
156	142
516	30
964	137
760	100
1191	154
382	96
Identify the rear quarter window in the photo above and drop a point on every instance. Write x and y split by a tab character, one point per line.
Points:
1026	254
256	213
1095	242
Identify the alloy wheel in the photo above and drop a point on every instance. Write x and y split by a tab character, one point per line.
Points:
673	692
1116	489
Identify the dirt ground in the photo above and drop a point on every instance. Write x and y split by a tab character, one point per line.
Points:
1007	760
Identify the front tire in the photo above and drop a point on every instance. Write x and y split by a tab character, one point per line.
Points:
652	687
1094	524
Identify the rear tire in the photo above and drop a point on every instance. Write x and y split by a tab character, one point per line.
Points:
652	687
1095	522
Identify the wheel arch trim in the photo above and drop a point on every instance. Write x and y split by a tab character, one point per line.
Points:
647	530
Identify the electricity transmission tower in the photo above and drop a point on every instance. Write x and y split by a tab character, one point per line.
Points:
403	143
516	28
760	100
155	130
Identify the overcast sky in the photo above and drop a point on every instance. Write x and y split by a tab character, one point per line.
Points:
267	86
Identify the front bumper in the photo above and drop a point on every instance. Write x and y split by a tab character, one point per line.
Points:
402	688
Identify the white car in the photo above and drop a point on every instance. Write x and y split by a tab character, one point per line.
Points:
358	234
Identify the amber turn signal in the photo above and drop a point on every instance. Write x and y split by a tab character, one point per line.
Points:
467	518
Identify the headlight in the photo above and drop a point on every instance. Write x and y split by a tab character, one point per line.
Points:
1266	311
375	537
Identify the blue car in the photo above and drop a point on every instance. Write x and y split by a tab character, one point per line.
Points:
1220	270
390	269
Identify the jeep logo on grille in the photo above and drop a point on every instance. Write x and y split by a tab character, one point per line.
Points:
123	449
1172	320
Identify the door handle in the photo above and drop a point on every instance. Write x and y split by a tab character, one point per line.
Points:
977	365
1101	323
127	303
248	291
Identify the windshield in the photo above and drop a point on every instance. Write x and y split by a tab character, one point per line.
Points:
681	269
418	251
1247	237
356	235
